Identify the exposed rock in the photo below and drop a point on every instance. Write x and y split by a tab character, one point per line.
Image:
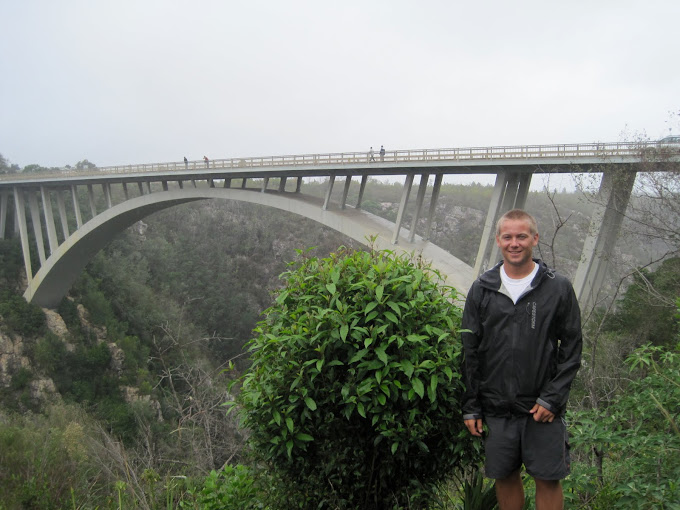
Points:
44	390
11	358
140	228
131	395
117	358
99	332
55	323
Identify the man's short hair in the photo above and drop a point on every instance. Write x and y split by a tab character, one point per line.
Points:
517	214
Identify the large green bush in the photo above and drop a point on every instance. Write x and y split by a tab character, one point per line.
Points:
354	390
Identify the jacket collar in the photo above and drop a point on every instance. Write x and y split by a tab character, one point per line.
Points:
491	279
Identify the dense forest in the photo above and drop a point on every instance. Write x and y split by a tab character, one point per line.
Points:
116	399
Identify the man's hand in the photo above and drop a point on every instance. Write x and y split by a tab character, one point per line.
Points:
474	426
541	414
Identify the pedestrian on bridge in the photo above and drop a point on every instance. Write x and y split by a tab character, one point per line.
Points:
371	155
207	161
382	153
186	163
522	348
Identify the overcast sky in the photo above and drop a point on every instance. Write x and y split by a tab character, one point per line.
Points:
144	81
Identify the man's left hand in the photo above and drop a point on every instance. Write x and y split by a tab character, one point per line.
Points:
542	414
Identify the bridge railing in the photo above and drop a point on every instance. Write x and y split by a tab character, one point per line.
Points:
560	151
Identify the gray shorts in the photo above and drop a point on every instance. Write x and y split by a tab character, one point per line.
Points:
543	448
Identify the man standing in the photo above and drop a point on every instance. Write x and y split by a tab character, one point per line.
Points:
522	351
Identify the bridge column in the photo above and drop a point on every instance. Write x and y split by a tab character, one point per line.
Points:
76	206
49	219
345	191
510	192
408	184
127	195
329	191
282	184
37	226
613	197
107	195
227	182
20	209
433	204
419	205
90	195
265	183
362	187
298	185
61	207
4	199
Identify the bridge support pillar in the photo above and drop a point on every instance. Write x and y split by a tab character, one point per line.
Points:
298	185
433	204
76	206
90	195
107	195
61	207
419	205
510	192
49	220
282	185
362	187
37	225
329	191
265	183
20	209
4	199
613	197
345	191
408	184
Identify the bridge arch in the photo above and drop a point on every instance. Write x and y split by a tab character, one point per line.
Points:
56	276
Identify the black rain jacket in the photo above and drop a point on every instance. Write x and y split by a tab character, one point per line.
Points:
517	355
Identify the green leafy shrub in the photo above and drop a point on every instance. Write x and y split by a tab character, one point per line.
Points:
231	487
354	391
22	317
639	435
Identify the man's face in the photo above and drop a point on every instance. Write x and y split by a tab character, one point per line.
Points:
516	242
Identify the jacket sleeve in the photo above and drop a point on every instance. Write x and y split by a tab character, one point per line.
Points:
471	336
556	393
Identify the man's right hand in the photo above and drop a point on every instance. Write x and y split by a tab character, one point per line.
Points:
474	426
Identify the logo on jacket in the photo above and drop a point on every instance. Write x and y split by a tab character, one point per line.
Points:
533	313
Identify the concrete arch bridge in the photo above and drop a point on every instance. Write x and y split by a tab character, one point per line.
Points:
36	201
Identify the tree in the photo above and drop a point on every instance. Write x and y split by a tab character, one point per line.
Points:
354	390
6	168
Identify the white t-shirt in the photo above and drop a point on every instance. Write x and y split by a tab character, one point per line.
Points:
517	287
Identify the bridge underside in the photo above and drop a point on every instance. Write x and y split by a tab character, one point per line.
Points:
60	270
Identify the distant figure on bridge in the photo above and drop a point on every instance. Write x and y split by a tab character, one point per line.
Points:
371	155
382	153
207	161
186	163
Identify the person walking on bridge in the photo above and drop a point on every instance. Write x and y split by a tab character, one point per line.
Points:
186	163
207	161
522	346
371	155
382	153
